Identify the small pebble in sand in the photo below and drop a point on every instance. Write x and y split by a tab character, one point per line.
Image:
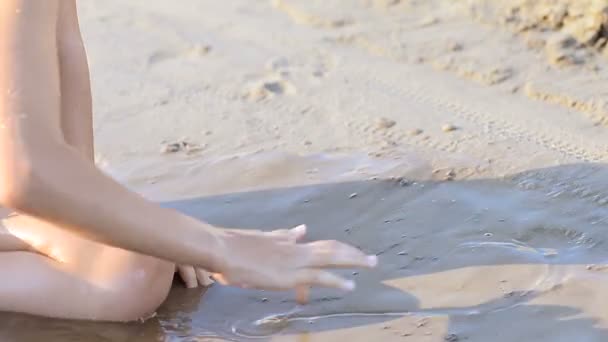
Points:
450	175
454	46
488	234
386	327
419	59
448	128
171	148
422	322
353	195
179	146
428	21
415	132
387	221
402	253
452	338
595	267
405	334
404	182
264	300
385	123
200	50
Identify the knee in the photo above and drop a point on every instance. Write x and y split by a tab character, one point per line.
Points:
139	297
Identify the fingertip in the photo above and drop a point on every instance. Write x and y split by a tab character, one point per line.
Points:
302	294
372	260
206	282
219	278
348	285
204	278
299	230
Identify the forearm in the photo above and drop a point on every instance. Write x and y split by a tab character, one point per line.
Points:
74	194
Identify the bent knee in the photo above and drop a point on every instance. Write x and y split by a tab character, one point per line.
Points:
139	297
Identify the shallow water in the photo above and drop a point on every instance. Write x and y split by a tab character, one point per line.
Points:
477	260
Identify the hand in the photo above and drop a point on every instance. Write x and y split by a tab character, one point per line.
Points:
192	276
275	261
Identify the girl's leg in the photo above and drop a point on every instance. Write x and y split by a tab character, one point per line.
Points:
77	279
37	285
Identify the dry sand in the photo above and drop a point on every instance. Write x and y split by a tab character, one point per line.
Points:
474	145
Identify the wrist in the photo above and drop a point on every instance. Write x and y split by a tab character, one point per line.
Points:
208	244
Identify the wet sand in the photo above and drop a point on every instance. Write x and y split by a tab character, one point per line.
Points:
455	149
519	257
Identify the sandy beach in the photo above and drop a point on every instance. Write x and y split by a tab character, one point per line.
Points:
463	142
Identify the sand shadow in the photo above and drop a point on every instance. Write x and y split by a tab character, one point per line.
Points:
535	221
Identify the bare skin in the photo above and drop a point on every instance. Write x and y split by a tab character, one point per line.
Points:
76	106
82	245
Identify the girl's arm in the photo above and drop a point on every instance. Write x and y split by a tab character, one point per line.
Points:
42	176
76	103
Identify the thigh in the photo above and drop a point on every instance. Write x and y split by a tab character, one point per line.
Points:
35	284
79	279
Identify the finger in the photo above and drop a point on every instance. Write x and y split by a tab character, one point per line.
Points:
188	275
218	277
315	277
334	254
298	233
302	294
204	277
290	235
281	234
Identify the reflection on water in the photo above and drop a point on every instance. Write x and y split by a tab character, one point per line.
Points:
475	253
281	322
